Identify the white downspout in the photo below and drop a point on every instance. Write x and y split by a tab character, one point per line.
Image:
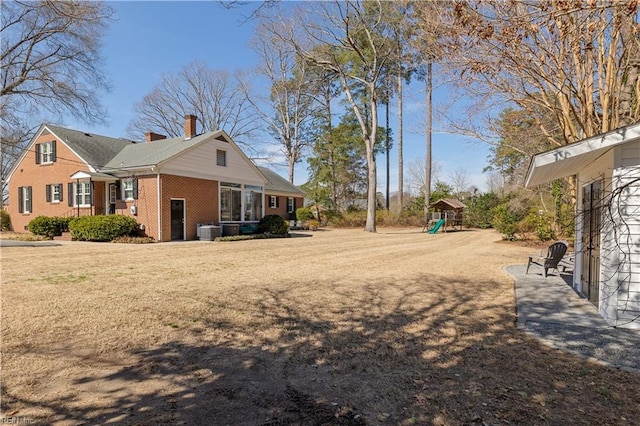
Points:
158	191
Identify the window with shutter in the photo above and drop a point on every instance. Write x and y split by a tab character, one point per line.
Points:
56	193
46	152
24	199
70	194
83	194
130	189
27	204
21	199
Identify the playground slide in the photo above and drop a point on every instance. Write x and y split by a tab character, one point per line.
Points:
436	227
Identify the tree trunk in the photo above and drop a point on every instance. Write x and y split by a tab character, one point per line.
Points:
427	180
400	154
387	148
370	226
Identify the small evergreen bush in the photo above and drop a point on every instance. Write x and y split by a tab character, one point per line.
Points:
48	226
102	227
304	213
5	221
273	224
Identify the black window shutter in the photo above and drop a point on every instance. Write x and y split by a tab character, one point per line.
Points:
37	153
20	199
28	206
135	189
47	194
91	193
60	190
294	205
277	202
70	193
53	150
118	191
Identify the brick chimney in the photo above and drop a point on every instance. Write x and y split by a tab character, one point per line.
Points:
190	126
150	137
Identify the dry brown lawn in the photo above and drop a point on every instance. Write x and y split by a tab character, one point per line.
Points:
341	327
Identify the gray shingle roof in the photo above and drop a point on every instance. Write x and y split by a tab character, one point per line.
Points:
96	150
153	153
108	154
279	184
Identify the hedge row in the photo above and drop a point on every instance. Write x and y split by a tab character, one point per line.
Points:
85	228
101	228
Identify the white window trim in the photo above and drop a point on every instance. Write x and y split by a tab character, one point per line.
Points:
256	190
53	193
124	189
290	204
76	194
48	153
26	200
272	201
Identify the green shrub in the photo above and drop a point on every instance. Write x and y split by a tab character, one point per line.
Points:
48	226
273	224
101	228
304	213
479	210
5	221
541	225
507	216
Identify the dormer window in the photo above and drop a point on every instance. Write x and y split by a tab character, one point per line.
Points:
46	152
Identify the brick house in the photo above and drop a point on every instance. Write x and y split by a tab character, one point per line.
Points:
169	185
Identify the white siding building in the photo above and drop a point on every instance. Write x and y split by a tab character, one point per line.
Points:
607	261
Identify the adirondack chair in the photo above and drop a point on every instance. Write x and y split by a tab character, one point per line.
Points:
550	261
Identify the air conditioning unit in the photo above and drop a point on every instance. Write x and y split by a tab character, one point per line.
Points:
209	232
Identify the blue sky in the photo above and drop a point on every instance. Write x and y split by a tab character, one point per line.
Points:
150	38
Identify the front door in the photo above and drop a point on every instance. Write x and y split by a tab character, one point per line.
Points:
592	223
113	195
177	220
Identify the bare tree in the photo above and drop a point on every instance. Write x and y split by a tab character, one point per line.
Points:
50	56
460	181
51	68
290	107
575	61
212	95
495	182
347	38
417	175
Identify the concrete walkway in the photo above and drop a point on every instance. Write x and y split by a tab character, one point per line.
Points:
550	310
19	243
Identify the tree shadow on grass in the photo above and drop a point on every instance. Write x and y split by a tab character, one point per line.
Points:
418	352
